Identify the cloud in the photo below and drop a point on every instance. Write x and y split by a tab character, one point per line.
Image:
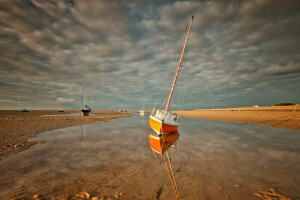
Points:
64	100
278	70
128	52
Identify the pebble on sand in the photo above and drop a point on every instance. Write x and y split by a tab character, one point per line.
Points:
83	195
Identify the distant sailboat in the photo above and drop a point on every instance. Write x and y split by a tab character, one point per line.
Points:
142	112
85	109
164	121
22	109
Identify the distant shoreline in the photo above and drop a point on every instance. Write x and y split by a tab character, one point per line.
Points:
273	116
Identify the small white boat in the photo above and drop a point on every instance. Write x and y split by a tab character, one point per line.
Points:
142	112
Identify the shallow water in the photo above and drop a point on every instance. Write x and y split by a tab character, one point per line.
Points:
214	160
71	114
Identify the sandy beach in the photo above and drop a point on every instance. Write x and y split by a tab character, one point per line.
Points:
17	127
273	116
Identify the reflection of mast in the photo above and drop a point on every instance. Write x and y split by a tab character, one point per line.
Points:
171	175
143	118
83	134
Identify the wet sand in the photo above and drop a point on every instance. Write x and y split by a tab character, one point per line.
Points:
17	127
273	116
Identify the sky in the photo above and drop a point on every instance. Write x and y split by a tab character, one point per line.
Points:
239	53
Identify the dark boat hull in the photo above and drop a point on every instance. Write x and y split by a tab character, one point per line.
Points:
85	112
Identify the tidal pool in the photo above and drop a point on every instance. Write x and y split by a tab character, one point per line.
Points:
212	160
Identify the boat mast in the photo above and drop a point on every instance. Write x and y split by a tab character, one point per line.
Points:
83	95
174	82
20	103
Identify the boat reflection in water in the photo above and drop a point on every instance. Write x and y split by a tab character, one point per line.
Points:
160	144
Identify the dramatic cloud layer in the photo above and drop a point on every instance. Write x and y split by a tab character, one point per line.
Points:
240	53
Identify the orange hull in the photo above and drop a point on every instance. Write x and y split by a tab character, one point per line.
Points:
161	143
160	127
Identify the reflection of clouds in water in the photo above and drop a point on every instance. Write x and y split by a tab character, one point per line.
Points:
220	153
273	153
230	153
241	135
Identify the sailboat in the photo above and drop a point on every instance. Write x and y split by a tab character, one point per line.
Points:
22	109
164	122
85	109
142	112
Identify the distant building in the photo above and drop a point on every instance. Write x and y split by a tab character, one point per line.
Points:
256	106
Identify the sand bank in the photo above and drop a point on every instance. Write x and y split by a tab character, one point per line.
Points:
16	127
274	116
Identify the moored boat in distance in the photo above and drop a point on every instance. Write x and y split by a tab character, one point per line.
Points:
85	109
22	109
142	111
163	121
